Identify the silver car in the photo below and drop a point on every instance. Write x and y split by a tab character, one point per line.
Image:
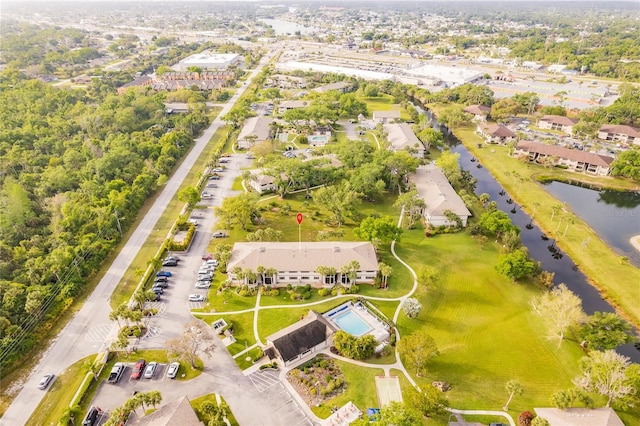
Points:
172	371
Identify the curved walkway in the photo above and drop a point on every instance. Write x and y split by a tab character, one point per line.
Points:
484	412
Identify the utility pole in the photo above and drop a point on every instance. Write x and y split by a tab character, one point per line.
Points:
115	213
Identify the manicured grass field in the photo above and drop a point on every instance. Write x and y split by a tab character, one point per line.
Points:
211	397
617	281
484	328
242	329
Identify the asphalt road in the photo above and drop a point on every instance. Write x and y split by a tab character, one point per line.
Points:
88	332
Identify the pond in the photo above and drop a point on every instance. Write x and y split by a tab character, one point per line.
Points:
286	27
614	215
540	246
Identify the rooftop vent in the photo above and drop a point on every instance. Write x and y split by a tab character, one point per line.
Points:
262	249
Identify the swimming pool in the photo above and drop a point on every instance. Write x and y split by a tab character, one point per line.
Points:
352	323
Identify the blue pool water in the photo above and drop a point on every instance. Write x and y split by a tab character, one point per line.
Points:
352	323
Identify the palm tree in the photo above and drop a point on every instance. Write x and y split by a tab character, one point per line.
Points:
152	398
260	270
326	271
514	388
354	267
237	273
271	272
385	271
140	297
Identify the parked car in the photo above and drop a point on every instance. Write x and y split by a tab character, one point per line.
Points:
218	170
214	177
207	256
45	381
161	279
170	262
150	370
172	370
193	221
196	298
136	373
223	160
173	257
156	297
161	284
219	234
210	262
203	284
207	276
206	195
212	185
116	372
206	270
163	274
92	416
226	154
157	290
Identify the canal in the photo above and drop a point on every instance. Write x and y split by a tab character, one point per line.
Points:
541	247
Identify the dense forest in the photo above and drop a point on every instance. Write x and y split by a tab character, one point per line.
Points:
75	167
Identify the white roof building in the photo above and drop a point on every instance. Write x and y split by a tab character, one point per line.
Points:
208	61
453	76
401	137
439	196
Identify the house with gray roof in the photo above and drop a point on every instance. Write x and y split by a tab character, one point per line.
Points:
178	412
439	196
255	130
386	116
580	416
297	263
402	138
306	337
573	159
285	106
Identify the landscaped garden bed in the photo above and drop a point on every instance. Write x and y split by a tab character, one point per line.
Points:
317	380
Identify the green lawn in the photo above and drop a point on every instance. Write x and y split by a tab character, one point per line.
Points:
597	260
484	328
211	397
242	329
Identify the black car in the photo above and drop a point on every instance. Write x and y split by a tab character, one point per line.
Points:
170	262
157	290
161	284
162	279
92	416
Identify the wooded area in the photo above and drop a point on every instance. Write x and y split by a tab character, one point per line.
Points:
75	168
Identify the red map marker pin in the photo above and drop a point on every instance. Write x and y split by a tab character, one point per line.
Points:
299	218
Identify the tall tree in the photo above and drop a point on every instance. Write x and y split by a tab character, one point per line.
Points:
411	307
514	388
413	206
516	265
385	272
383	228
605	330
560	308
417	349
196	338
609	374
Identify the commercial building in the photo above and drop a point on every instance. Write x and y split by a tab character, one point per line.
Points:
209	61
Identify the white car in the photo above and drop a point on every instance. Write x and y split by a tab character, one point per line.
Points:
210	263
172	370
196	298
203	284
218	170
150	370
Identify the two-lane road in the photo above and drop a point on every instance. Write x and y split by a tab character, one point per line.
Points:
87	332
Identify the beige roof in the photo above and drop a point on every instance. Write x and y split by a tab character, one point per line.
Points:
478	109
391	113
580	416
307	256
401	136
178	412
436	191
620	129
569	154
258	126
333	86
559	119
294	104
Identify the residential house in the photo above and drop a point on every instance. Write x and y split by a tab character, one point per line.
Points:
439	196
297	263
340	86
308	336
262	183
386	116
580	416
171	81
401	137
177	412
573	159
496	133
287	105
255	130
479	112
557	122
286	81
619	133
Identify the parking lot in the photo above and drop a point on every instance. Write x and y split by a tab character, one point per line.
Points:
284	406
